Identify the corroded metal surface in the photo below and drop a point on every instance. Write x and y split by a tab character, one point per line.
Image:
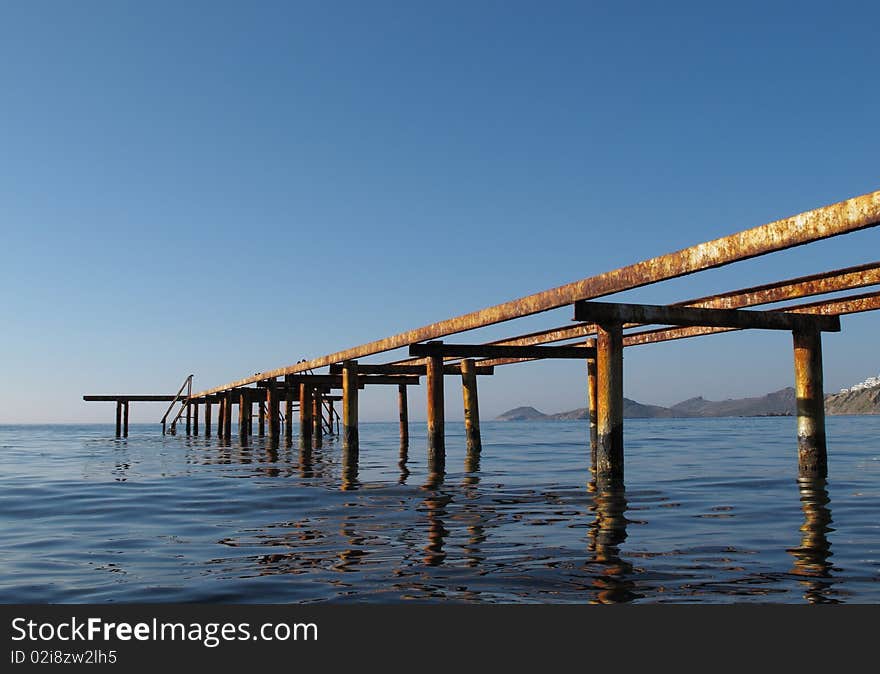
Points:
810	394
436	420
408	369
403	414
350	435
839	218
609	375
592	405
837	280
306	425
494	350
471	407
618	313
853	304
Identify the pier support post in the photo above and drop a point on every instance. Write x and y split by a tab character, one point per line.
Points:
227	416
350	437
471	406
288	411
318	418
196	417
436	422
809	390
243	402
118	418
609	397
189	417
592	405
221	414
125	419
207	417
272	409
403	410
261	419
305	416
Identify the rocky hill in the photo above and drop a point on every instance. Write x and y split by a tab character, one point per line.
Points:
522	414
862	401
778	403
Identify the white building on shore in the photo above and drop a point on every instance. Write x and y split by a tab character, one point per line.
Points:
870	382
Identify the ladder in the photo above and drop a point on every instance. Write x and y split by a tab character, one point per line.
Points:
184	404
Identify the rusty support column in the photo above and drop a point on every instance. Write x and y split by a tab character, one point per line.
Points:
261	421
809	390
196	417
125	419
288	413
436	423
592	405
305	416
403	409
207	418
272	410
242	415
118	418
318	418
350	436
471	406
609	396
188	417
227	416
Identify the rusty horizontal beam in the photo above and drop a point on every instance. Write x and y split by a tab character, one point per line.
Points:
322	381
828	221
612	313
130	398
335	380
853	304
838	280
417	370
494	351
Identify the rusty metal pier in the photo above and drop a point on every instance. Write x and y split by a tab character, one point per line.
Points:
597	337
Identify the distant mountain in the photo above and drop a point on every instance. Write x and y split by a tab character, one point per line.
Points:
522	414
778	403
631	410
859	401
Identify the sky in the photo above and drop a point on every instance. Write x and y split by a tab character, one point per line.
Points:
225	188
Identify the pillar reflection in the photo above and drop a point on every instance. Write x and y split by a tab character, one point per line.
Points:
606	534
812	557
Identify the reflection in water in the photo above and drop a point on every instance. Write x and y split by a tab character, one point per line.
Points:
474	513
472	468
351	555
502	530
402	460
436	503
305	462
811	557
607	532
349	469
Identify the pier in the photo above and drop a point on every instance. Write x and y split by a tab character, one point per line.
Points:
596	338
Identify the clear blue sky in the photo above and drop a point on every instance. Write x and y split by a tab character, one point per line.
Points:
225	188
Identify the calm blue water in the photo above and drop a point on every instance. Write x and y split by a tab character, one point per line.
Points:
712	512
